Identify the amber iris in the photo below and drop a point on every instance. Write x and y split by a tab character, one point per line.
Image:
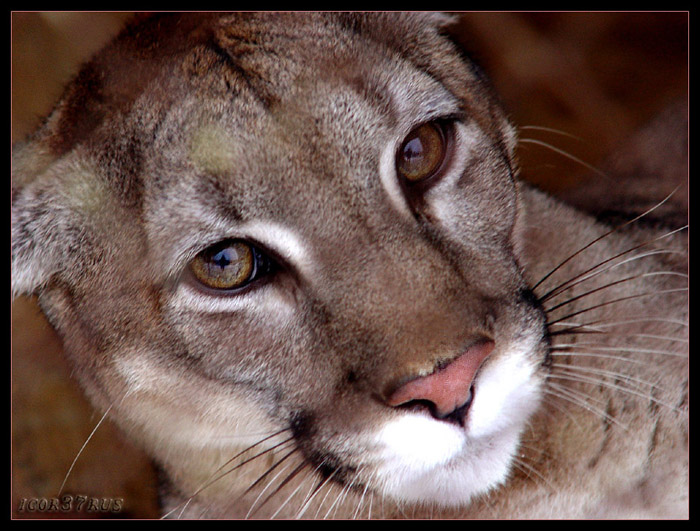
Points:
227	265
421	153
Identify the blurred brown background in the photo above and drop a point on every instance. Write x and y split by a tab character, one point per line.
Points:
594	76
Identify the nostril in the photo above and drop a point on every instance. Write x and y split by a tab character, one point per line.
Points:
448	391
457	416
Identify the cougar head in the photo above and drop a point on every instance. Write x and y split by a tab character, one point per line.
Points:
261	223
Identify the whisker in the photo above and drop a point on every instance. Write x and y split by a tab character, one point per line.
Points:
604	235
609	285
564	154
340	499
92	433
591	271
337	499
580	400
252	508
597	355
560	407
212	479
644	319
294	492
574	328
360	502
330	489
584	398
261	441
631	350
313	494
621	299
616	375
344	495
204	512
529	469
269	470
597	381
550	130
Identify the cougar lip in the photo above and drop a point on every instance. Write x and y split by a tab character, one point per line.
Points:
448	392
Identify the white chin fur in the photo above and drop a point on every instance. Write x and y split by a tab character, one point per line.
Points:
421	459
455	477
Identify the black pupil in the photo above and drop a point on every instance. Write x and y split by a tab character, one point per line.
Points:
413	149
221	259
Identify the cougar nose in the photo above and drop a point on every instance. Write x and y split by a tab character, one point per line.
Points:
448	390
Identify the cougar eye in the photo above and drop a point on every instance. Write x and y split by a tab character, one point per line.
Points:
229	265
422	152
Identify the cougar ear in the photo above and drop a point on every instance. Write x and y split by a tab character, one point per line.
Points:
31	220
42	227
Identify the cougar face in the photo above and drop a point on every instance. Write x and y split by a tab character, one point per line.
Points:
290	232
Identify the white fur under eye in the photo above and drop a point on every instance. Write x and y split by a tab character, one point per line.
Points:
465	138
265	300
283	240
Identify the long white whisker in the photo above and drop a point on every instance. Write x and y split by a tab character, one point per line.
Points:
596	355
360	503
213	478
601	237
564	154
606	323
315	493
549	130
599	326
560	407
621	299
287	500
337	498
631	350
580	401
598	381
269	484
330	489
576	369
611	284
594	271
70	469
344	495
529	469
584	398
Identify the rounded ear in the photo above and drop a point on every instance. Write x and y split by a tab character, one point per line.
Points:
33	259
42	225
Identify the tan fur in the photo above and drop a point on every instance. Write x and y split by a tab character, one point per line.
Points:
281	129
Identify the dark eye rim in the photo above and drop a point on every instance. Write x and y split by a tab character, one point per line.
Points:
264	267
446	126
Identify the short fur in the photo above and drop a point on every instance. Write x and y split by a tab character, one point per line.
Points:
281	129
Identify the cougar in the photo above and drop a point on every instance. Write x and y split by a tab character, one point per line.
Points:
290	256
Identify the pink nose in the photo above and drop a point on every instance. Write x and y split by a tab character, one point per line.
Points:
448	388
